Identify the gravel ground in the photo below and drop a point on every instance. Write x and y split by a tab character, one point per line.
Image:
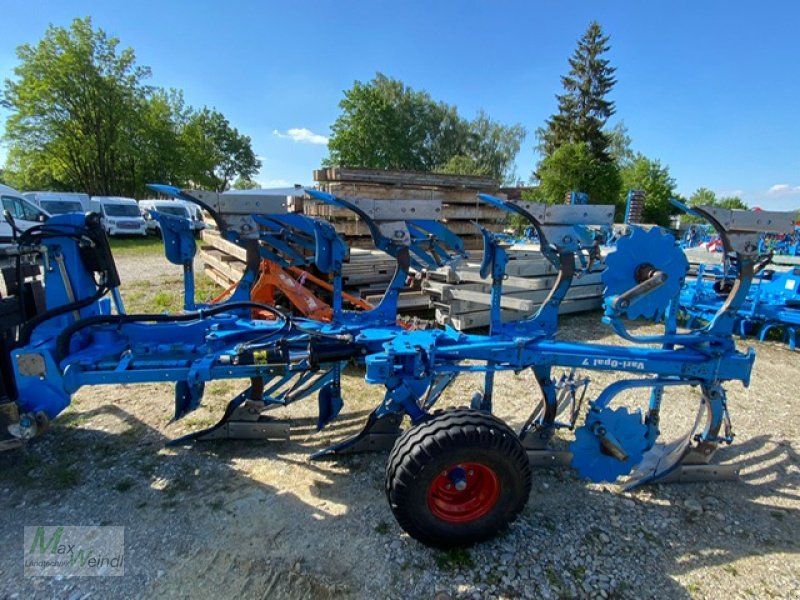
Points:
261	520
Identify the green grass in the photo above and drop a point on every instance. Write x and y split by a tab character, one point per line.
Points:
165	294
450	560
63	476
131	246
382	528
164	300
730	569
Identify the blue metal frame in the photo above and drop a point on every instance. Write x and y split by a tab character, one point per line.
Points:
288	359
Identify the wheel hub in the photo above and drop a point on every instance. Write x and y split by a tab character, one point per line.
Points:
463	492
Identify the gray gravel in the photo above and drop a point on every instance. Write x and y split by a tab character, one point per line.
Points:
260	520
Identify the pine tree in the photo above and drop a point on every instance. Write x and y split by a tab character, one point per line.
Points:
583	109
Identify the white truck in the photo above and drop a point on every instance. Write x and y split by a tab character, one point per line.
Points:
120	216
59	203
24	212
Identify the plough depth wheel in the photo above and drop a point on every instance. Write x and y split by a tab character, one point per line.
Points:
458	478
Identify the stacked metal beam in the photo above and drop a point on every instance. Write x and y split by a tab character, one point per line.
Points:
461	296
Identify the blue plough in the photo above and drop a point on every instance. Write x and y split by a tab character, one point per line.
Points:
455	476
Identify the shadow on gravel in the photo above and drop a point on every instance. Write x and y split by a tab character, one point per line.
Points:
739	519
201	521
196	527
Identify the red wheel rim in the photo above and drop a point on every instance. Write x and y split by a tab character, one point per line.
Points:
463	492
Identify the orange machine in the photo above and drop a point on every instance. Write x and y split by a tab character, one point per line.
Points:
273	278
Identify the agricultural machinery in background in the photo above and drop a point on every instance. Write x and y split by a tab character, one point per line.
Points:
772	304
456	476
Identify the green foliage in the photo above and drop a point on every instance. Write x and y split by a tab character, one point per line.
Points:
493	146
572	167
83	119
71	104
732	202
217	152
245	184
453	559
703	196
387	125
641	173
463	165
619	145
583	109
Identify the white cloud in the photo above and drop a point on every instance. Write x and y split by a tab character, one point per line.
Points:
276	183
730	193
302	135
783	188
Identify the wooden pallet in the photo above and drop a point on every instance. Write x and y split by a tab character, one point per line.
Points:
395	177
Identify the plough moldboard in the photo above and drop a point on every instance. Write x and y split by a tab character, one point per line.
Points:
455	476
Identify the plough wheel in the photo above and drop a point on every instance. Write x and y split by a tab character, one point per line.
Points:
458	478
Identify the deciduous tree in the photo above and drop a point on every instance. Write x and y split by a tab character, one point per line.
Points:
641	173
83	119
573	167
387	125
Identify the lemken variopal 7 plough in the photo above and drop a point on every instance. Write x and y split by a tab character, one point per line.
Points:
456	476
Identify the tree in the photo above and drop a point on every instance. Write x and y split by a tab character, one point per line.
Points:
385	124
154	151
732	202
74	92
641	173
463	165
703	196
573	167
619	145
216	152
583	109
82	119
492	146
245	184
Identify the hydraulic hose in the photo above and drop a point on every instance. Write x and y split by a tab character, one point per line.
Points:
27	329
64	338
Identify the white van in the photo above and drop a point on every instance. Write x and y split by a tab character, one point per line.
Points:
59	203
26	214
120	216
168	207
195	214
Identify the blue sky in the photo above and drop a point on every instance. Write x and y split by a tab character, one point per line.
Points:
710	88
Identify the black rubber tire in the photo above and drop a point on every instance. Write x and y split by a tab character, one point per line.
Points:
454	436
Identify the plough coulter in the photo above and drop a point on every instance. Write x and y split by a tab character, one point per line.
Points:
455	476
